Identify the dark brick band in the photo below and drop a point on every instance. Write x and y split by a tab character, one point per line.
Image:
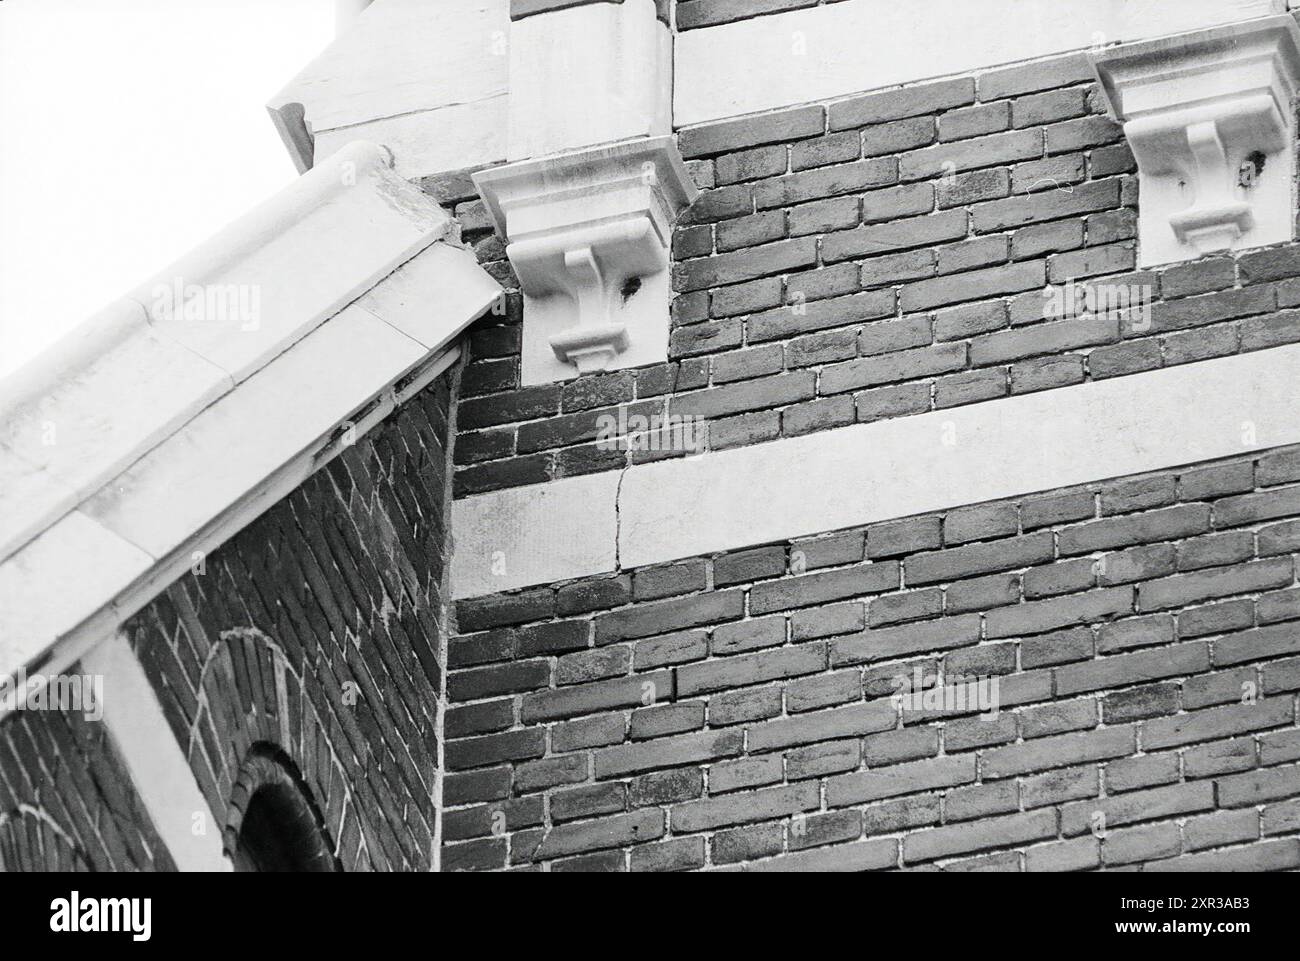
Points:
736	709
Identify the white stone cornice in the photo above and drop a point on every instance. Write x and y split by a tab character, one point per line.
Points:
1209	119
588	236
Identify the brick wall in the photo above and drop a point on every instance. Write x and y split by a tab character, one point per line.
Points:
736	709
876	257
315	633
66	802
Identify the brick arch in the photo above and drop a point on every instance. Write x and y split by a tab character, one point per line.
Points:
302	835
251	703
32	840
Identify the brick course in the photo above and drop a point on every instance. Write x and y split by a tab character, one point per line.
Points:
1136	727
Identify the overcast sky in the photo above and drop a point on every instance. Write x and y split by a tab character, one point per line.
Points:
130	130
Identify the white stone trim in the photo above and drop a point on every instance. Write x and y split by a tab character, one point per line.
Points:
158	769
585	75
837	50
364	289
1209	119
58	581
536	534
428	80
872	472
579	227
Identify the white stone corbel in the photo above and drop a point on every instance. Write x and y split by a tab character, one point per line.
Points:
1208	116
588	235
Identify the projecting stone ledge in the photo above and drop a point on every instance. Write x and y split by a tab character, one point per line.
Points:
1208	116
588	235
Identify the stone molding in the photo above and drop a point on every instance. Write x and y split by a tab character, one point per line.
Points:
588	235
1209	119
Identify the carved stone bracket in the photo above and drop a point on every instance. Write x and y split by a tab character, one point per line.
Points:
588	235
1209	120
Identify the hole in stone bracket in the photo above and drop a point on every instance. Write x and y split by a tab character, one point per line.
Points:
630	287
1251	168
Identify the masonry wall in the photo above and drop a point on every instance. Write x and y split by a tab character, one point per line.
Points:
877	257
737	710
865	259
66	801
315	636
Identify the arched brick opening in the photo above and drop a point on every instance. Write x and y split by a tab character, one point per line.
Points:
272	821
258	744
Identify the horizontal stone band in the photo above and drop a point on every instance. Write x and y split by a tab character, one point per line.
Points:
871	472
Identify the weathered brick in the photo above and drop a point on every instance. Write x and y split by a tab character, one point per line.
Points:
1052	205
1037	617
745	773
987	833
610	832
1155	804
907	778
1041	75
906	102
761	805
1080	854
1166	524
666	752
975	121
597	696
905	234
666	787
495	748
770	128
1059	751
1216	722
662	617
818	760
818	588
678	854
747	669
1140	844
890	642
590	801
1146	770
735	707
1184	589
1122	669
666	719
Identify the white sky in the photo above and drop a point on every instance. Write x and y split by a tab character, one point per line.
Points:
130	130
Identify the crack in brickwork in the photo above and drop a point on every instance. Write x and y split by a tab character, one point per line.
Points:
876	257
